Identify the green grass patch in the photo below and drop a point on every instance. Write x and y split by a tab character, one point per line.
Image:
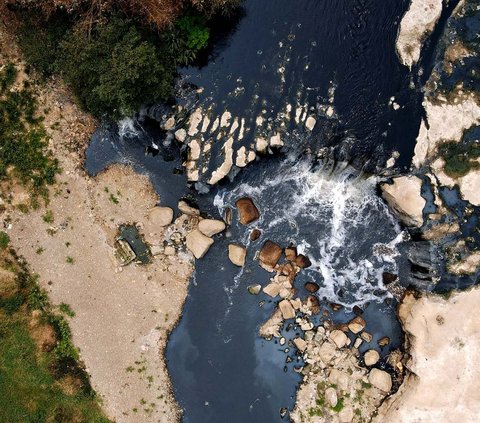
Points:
4	240
24	150
34	382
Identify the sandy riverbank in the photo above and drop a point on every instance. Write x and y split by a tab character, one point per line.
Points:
122	314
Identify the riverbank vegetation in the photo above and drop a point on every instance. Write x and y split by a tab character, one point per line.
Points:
41	379
24	153
115	55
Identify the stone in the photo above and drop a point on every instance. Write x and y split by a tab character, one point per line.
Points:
367	337
198	243
302	261
181	135
270	254
335	306
160	216
405	200
339	378
331	397
357	343
313	304
380	379
276	140
383	342
254	289
346	415
237	254
287	310
371	357
187	209
310	123
272	289
327	352
356	325
156	250
290	253
389	278
339	338
255	234
300	344
223	170
247	210
284	293
282	341
210	227
261	145
312	287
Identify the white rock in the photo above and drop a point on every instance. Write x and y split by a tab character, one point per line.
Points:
261	144
170	123
276	140
210	227
181	135
161	216
194	121
300	344
194	149
226	166
185	208
310	123
198	243
237	254
272	289
339	338
331	397
287	310
380	379
405	200
371	357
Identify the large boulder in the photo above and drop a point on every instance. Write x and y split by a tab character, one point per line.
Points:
198	243
405	200
247	210
237	254
270	254
357	324
210	227
380	379
160	216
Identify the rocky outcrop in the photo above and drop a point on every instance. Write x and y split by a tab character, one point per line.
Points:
405	200
416	25
444	346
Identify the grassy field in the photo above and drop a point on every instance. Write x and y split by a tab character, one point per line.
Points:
40	377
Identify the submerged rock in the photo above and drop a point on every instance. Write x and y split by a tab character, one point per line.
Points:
210	227
302	261
270	254
247	210
198	243
237	254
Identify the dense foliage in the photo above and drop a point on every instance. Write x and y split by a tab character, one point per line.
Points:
460	158
38	383
113	62
23	140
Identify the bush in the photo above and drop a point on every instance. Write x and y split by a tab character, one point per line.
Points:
460	158
4	240
116	69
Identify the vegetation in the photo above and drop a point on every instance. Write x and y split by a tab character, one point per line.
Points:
113	61
460	158
40	377
4	240
24	150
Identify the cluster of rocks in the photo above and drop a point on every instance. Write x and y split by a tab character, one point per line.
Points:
339	383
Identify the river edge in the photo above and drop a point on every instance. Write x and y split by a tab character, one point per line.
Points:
79	174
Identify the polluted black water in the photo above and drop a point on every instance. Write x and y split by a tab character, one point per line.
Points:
334	56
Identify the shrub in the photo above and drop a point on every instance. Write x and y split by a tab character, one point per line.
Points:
460	158
116	69
4	240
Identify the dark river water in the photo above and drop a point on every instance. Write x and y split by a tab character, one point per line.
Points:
298	52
